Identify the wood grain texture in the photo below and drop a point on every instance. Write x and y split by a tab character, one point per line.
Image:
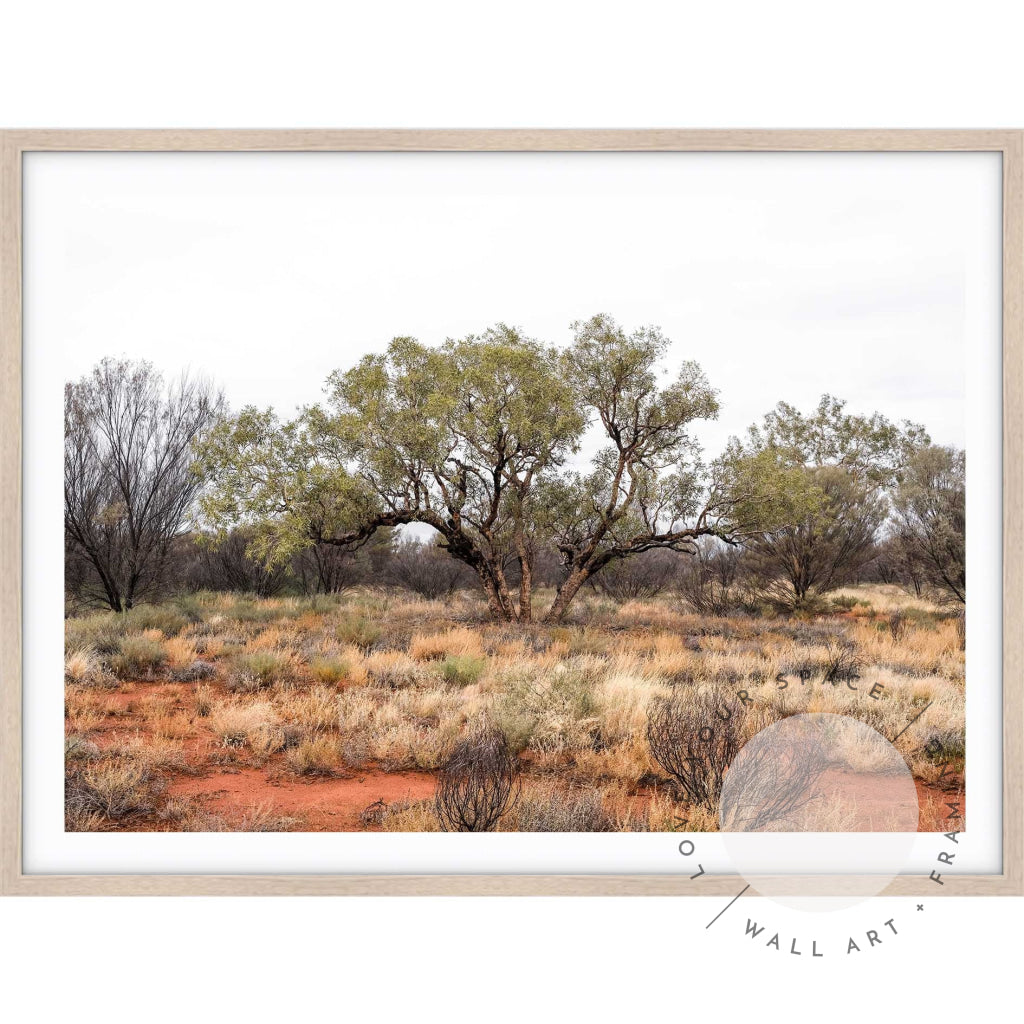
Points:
1013	512
511	140
14	143
10	514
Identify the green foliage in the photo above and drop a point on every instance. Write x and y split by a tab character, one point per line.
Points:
258	669
462	669
329	670
138	657
357	630
168	618
810	494
931	511
556	712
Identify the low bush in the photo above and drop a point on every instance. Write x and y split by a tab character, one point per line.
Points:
556	811
329	670
194	672
138	657
319	755
358	631
477	784
255	670
462	669
165	617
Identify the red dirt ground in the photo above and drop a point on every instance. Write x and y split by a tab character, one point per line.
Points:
335	804
324	805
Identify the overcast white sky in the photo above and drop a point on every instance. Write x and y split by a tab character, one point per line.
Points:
784	275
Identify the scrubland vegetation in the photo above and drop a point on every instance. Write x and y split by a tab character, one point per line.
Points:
418	606
167	706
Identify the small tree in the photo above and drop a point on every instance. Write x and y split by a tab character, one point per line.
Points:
128	481
814	491
930	507
477	784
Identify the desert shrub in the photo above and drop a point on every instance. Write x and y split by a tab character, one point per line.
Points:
357	630
316	710
477	784
83	667
101	632
556	811
165	617
427	570
138	657
897	625
709	580
557	711
255	725
189	606
842	662
462	669
639	578
693	735
78	748
318	755
113	787
393	670
254	670
772	785
329	670
195	671
204	701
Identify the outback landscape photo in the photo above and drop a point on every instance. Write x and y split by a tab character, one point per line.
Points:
508	493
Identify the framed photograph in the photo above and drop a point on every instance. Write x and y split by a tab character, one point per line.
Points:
512	512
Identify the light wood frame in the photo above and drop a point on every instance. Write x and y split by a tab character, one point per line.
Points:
13	144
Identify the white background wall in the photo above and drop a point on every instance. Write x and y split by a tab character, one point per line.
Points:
743	64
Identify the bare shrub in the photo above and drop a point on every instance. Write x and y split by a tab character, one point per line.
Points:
897	625
709	580
427	570
556	811
114	788
771	784
477	784
195	671
842	662
693	735
639	578
227	563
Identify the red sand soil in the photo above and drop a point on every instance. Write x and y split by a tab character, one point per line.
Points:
335	804
324	805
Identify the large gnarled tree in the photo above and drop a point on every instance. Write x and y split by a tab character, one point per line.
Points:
473	439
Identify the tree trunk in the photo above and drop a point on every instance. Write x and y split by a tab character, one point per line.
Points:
566	592
494	605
